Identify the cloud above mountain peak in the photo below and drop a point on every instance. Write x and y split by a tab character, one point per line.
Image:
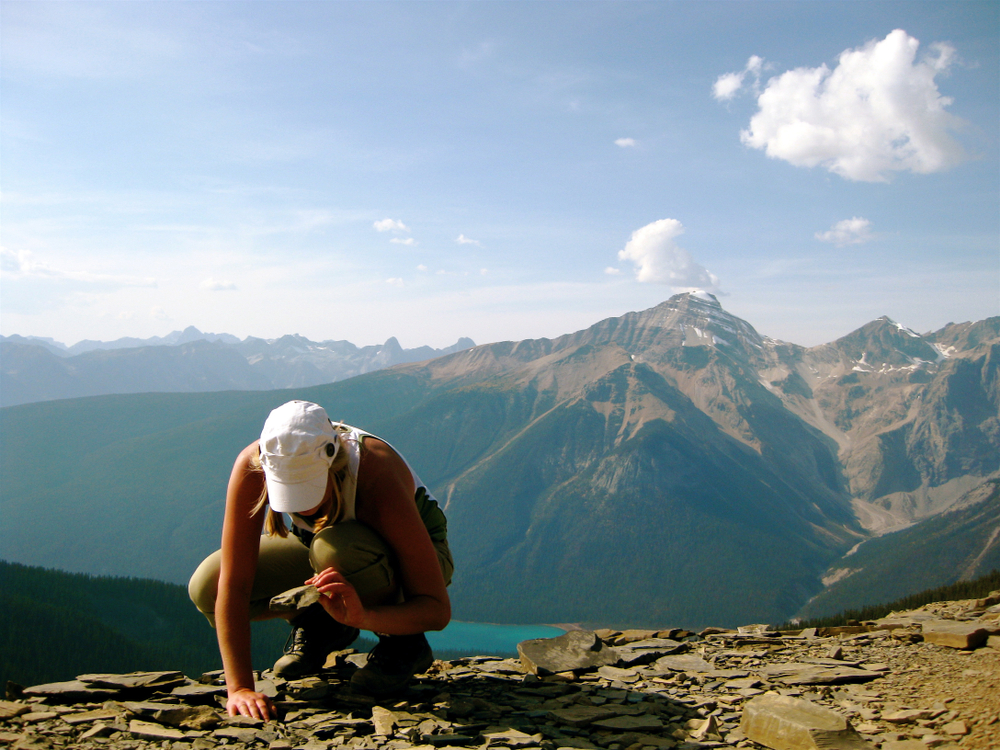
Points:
658	259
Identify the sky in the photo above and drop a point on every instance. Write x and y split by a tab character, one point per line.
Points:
497	170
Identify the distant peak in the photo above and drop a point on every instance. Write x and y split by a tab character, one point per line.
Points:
699	296
705	296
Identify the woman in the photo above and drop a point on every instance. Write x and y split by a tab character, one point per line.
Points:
366	534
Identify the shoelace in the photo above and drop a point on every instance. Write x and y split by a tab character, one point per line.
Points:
295	643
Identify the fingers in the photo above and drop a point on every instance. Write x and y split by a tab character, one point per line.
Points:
249	703
329	575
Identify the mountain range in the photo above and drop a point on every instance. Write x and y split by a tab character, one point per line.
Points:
668	465
40	369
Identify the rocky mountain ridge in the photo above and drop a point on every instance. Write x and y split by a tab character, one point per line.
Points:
33	369
871	433
911	681
665	458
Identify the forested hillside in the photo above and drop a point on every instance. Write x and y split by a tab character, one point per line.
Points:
54	625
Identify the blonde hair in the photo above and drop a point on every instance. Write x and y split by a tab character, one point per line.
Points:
329	512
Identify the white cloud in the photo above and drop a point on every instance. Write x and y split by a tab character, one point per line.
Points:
612	271
659	260
851	231
158	313
421	267
218	285
728	84
483	271
395	281
877	111
625	142
22	264
390	225
463	240
401	241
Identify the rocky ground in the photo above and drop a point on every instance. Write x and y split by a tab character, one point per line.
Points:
928	678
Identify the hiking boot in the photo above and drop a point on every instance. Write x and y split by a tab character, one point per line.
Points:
392	663
314	635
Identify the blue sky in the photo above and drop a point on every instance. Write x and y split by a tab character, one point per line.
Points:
498	170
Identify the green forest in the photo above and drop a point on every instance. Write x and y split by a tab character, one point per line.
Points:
977	588
56	625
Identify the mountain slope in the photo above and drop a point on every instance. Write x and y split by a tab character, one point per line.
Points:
957	545
669	465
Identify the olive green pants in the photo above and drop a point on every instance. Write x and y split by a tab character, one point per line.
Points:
350	547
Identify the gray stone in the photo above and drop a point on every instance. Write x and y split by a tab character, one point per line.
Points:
682	663
189	717
71	691
618	674
579	716
785	723
962	635
239	734
644	723
384	721
10	709
147	680
512	738
577	650
293	599
84	717
907	715
147	730
647	651
199	693
814	674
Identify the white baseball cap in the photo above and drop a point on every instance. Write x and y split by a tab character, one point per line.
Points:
297	447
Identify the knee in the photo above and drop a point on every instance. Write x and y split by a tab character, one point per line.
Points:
203	588
356	551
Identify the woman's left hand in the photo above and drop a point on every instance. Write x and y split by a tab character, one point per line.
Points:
340	599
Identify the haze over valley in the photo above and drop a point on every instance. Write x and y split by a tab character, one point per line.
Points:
690	469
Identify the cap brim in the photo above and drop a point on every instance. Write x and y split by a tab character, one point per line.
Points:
297	497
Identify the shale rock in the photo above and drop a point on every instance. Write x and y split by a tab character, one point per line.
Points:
785	723
607	690
577	650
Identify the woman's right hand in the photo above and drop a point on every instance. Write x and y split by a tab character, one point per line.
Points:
245	702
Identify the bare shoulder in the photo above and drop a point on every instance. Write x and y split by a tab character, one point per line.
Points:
244	475
243	459
384	475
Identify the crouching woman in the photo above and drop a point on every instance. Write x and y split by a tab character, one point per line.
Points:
365	532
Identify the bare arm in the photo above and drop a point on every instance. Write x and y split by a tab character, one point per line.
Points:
385	503
240	548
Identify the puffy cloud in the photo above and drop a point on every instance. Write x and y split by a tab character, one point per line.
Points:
390	225
659	260
728	84
625	142
463	240
877	111
612	271
401	241
218	285
851	231
421	267
395	281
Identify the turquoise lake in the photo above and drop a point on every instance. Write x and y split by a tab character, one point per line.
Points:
486	639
